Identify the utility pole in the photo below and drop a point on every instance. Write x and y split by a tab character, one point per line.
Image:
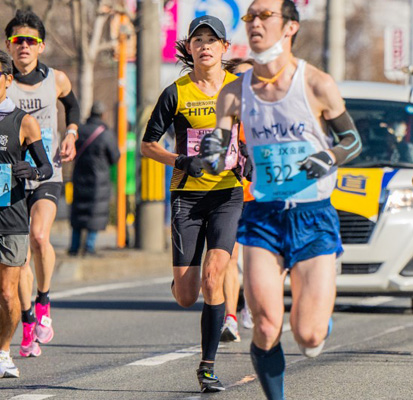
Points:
150	207
411	44
335	30
122	132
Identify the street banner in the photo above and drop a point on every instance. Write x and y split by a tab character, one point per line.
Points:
396	52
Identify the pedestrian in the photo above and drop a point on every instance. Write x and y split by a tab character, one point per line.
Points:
35	89
96	151
19	132
203	206
288	108
230	332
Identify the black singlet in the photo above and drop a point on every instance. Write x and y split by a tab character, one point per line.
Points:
14	219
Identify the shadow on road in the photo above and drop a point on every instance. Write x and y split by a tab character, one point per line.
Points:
125	305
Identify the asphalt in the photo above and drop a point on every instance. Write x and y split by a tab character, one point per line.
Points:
110	262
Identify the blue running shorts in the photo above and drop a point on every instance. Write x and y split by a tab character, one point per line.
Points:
301	232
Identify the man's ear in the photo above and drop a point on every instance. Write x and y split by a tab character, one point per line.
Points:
41	47
292	28
9	80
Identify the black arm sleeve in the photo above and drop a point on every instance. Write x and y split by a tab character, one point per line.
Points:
162	115
349	146
72	110
38	153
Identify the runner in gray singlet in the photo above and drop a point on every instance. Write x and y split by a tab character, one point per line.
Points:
35	89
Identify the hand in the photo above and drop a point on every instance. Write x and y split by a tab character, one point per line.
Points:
317	165
248	169
248	166
68	148
211	152
23	170
191	165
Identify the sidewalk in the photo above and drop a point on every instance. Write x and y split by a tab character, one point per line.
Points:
110	263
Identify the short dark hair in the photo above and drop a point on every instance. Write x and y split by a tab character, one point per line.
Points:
26	18
233	63
5	61
290	13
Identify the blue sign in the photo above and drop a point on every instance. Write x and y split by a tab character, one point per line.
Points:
202	8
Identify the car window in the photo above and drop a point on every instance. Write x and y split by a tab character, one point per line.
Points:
385	129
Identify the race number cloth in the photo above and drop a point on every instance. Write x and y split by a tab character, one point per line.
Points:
277	128
47	137
5	185
278	176
194	137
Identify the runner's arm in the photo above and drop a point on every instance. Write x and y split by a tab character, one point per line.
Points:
31	135
339	120
161	118
214	146
64	91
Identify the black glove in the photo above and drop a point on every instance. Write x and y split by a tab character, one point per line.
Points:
213	152
191	165
23	170
248	166
316	165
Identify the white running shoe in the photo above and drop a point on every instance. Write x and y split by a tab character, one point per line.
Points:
7	367
246	318
229	332
312	352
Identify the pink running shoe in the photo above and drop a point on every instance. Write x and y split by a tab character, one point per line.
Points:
43	332
28	347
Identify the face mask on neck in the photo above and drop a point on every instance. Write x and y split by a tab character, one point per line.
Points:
270	54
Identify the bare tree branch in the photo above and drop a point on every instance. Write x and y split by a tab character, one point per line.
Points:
47	12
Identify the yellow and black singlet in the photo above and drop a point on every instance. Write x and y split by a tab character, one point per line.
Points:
193	114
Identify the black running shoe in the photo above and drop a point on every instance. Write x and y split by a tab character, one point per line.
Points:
208	381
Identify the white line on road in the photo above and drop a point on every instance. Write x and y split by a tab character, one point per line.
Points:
163	358
374	301
32	397
104	288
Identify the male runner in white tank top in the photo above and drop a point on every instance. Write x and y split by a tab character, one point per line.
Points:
289	109
35	89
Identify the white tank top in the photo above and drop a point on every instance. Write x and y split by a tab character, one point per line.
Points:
41	103
280	134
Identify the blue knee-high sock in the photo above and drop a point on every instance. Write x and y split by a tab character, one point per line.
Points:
270	366
211	323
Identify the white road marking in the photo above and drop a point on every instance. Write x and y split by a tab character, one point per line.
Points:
374	301
104	288
32	397
384	333
163	358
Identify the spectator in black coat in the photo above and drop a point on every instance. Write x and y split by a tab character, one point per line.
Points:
96	151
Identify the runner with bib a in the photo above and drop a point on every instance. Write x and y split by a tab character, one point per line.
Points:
289	110
19	132
204	206
35	89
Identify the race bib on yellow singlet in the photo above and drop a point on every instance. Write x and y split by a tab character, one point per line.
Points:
47	135
194	137
278	174
5	185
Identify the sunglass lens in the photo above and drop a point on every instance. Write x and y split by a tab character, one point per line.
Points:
247	17
265	15
20	39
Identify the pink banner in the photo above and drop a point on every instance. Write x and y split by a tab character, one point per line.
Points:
169	30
